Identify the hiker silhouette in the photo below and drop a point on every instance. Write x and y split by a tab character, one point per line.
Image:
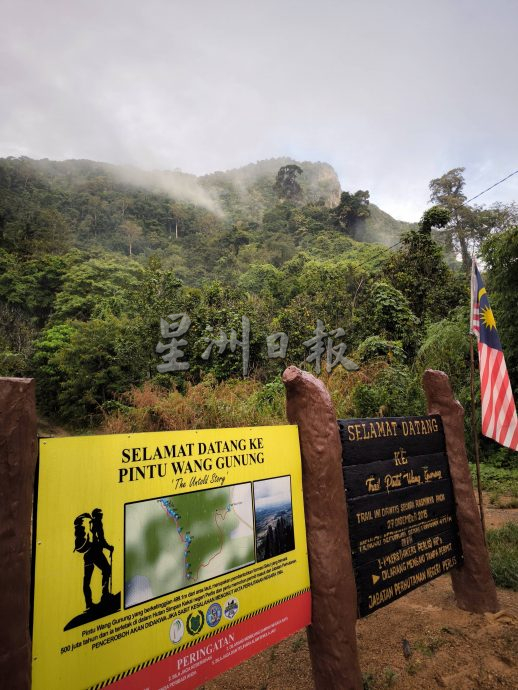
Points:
91	542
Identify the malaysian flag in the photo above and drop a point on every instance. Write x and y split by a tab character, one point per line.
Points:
499	420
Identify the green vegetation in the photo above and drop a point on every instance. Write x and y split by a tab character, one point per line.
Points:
501	483
430	645
298	642
389	677
466	227
368	680
93	256
503	550
500	253
384	681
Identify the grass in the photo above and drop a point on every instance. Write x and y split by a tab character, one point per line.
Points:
206	405
413	667
385	681
503	553
298	642
502	500
212	404
368	681
500	483
389	677
430	646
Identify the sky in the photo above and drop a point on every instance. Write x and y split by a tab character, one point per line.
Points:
391	93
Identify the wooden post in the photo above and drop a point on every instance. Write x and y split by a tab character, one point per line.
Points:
332	634
18	452
473	583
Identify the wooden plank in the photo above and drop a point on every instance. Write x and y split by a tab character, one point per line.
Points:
384	476
399	563
384	543
376	596
369	515
368	440
18	451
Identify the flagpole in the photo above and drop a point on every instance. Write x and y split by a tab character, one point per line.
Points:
474	432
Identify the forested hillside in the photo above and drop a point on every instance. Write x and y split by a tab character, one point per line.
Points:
93	256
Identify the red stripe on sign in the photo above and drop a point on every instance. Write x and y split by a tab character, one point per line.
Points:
201	662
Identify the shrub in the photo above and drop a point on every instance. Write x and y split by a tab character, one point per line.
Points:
503	551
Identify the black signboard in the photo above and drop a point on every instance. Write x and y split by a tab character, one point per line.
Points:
400	502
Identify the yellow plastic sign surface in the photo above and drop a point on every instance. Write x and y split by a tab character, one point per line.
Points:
164	558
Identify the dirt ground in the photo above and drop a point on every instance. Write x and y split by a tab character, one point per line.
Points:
449	648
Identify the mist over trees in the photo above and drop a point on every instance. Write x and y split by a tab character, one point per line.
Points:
92	256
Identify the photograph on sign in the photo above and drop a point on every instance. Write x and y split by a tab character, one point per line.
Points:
273	517
164	559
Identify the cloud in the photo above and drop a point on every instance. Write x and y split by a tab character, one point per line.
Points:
176	184
391	94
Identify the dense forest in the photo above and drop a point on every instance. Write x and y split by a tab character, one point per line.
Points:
107	273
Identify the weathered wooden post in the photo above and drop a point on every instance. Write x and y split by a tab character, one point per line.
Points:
17	466
473	584
332	634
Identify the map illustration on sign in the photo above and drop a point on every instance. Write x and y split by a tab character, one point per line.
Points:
176	541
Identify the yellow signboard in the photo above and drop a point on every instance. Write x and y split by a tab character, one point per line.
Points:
162	559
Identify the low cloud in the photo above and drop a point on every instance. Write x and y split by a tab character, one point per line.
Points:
177	185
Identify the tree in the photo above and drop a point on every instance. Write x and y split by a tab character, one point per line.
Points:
45	362
96	365
500	253
445	346
32	285
447	191
261	278
132	231
351	209
236	238
44	230
387	312
435	217
95	285
394	391
286	184
468	226
80	366
17	335
312	219
419	271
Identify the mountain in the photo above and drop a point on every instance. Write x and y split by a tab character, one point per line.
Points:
381	227
248	191
50	206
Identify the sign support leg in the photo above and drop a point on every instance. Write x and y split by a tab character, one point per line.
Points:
332	634
473	583
17	466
